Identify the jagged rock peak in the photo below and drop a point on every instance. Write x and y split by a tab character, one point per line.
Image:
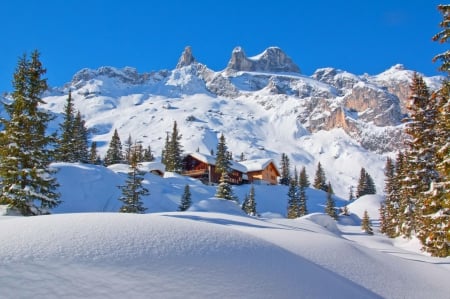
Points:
273	59
186	58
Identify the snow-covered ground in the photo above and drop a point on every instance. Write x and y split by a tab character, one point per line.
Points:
87	250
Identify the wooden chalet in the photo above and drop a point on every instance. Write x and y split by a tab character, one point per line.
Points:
261	171
202	167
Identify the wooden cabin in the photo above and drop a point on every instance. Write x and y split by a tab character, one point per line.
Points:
261	171
202	167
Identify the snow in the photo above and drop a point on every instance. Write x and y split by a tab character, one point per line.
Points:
87	249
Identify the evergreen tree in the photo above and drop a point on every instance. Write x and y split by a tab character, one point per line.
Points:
249	204
304	179
223	163
320	181
365	223
434	215
365	184
133	191
27	182
80	139
285	170
185	199
302	206
148	155
330	207
165	150
173	152
390	209
66	146
127	149
351	196
293	207
114	152
94	158
224	189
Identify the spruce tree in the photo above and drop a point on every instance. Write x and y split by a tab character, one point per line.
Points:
330	207
66	146
351	196
80	137
127	148
365	184
94	157
320	180
148	155
249	204
434	216
389	211
173	151
365	223
27	182
114	152
304	179
223	163
293	207
285	178
302	204
186	201
133	191
224	189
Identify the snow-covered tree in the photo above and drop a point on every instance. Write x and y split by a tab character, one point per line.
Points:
293	207
249	204
65	142
80	135
285	178
389	211
365	223
320	180
186	201
330	207
223	163
114	152
173	151
94	157
27	181
133	191
365	184
224	189
148	155
304	179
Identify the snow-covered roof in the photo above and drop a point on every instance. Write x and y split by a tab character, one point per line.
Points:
144	166
212	161
256	164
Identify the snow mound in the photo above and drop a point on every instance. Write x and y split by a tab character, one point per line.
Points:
323	220
371	203
217	205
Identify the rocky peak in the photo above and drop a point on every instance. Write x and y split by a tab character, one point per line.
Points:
186	58
273	59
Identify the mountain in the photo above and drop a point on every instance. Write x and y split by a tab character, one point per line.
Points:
263	105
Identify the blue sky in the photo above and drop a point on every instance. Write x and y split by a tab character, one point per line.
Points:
356	36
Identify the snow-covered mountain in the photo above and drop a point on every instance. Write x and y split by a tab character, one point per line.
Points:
263	105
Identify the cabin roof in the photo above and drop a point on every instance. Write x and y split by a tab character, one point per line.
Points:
212	161
258	164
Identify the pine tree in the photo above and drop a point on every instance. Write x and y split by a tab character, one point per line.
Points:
148	155
114	152
249	204
80	139
434	217
127	148
66	146
185	199
365	184
27	182
285	170
94	158
365	223
223	163
390	209
302	204
320	181
304	179
224	189
293	207
351	196
330	207
133	191
165	150
173	151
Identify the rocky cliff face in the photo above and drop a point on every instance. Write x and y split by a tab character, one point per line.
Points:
271	60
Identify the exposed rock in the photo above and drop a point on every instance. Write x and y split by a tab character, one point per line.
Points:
272	59
186	58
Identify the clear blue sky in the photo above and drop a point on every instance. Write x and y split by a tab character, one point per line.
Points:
357	36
